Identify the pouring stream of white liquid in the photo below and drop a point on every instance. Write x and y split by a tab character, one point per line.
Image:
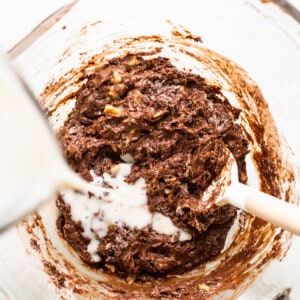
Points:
31	162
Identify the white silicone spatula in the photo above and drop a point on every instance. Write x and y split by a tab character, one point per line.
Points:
32	167
257	203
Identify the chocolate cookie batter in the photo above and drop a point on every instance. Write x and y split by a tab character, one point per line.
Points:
174	127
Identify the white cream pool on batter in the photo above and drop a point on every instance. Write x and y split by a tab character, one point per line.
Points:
116	202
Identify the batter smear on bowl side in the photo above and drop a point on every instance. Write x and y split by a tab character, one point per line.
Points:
150	139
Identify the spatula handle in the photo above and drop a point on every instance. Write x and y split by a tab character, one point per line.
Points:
264	206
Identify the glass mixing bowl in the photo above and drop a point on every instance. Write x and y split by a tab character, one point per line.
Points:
251	50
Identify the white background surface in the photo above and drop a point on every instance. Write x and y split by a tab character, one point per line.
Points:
19	17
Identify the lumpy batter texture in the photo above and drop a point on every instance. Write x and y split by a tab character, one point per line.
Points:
174	127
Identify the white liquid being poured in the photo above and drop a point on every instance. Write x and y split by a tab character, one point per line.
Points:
116	202
32	165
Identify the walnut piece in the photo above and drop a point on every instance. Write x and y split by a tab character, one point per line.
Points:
115	111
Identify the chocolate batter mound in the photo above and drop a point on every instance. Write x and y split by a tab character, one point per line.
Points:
176	127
